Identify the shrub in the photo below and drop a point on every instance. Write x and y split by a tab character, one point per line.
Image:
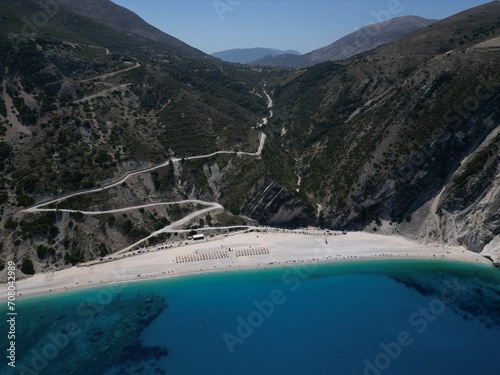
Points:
4	197
27	267
39	226
78	216
74	257
10	223
103	250
25	200
44	252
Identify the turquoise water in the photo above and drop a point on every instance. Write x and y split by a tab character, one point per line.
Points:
384	317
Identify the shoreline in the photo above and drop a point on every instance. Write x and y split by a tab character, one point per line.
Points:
252	250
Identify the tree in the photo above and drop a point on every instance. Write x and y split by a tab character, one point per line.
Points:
44	252
27	267
5	150
11	223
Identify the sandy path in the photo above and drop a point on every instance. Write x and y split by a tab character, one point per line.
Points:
104	92
108	75
270	104
212	206
127	175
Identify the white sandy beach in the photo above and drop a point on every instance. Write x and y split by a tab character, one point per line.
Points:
241	251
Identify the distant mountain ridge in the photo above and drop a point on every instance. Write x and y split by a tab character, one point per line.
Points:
362	40
248	55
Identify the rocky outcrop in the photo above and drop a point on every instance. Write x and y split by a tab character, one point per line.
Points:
467	210
271	203
405	135
473	196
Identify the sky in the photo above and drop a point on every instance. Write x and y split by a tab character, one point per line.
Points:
301	25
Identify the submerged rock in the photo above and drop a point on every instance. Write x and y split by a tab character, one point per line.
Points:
90	345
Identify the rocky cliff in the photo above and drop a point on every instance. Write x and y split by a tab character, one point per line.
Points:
405	139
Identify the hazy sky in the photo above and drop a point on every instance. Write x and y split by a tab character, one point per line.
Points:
303	25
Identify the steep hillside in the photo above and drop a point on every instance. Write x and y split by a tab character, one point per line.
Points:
403	139
82	104
124	21
362	40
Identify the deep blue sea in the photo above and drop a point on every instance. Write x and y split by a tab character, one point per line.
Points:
394	317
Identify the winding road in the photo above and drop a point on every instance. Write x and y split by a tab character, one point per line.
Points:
125	177
210	206
270	104
111	74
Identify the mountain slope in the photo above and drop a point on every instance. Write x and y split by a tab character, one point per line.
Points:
82	104
402	139
247	55
124	21
362	40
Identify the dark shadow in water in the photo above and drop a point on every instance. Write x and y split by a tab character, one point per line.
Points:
472	297
83	338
